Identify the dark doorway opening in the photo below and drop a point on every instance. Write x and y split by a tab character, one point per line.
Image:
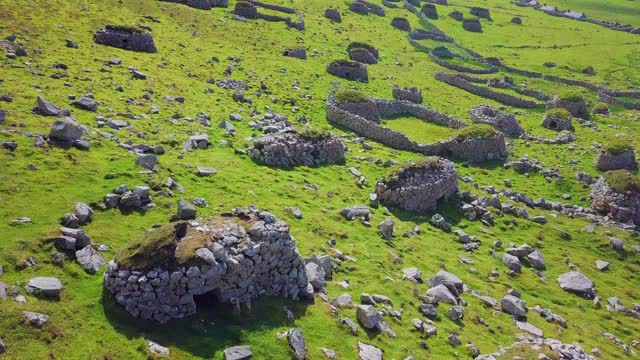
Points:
207	300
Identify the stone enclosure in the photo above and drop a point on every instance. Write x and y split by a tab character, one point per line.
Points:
350	70
232	258
503	122
622	206
419	187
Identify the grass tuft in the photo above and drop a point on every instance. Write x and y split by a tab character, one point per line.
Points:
622	181
476	132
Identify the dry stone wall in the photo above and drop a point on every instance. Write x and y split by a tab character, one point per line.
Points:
125	38
607	161
622	207
286	150
249	253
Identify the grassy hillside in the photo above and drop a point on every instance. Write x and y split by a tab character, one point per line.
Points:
193	47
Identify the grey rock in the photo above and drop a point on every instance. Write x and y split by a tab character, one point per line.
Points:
368	316
295	338
442	294
577	283
47	286
512	262
158	350
386	228
238	353
90	259
355	211
84	213
315	275
147	161
186	210
412	273
369	352
537	260
206	171
602	265
513	306
86	103
35	319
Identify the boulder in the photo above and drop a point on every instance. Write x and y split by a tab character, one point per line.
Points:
513	306
246	9
512	262
46	286
333	15
84	213
401	23
368	316
355	211
86	103
147	161
46	107
295	338
537	260
472	25
315	275
65	132
577	283
35	319
368	352
300	53
386	228
158	350
442	294
90	259
238	353
186	210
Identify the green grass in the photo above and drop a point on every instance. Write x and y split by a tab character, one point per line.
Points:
622	181
187	39
572	96
558	112
616	146
153	248
347	96
476	132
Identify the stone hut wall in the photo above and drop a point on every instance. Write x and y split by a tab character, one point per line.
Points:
461	68
576	108
419	189
609	97
480	12
477	150
472	25
401	23
411	94
506	99
263	262
502	121
620	207
290	150
607	161
125	38
350	70
202	4
420	34
572	82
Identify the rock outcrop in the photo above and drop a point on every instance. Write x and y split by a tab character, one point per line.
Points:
412	94
286	150
232	258
419	187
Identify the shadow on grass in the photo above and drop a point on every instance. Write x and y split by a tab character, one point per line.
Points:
210	330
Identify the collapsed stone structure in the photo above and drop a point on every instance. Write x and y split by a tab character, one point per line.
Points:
462	81
202	4
429	10
363	53
232	258
412	94
480	12
502	121
419	187
612	97
622	205
333	15
127	38
609	160
364	7
350	70
557	121
249	9
575	108
286	150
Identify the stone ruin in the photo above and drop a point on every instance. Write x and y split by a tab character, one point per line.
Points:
412	94
419	187
429	10
480	12
622	206
246	9
350	70
438	2
401	23
575	108
476	150
364	8
516	20
472	25
363	53
607	160
502	121
333	15
202	4
127	38
557	121
233	258
286	150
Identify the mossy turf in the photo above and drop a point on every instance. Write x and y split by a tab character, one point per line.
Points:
622	181
616	146
476	132
346	96
193	47
558	112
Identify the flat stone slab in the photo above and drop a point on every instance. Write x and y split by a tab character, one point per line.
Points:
47	286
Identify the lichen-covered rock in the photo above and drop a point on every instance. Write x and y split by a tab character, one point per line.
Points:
163	276
502	121
412	94
419	187
127	38
608	160
286	150
350	70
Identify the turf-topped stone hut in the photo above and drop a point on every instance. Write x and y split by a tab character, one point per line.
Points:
401	23
232	258
363	53
477	143
246	10
412	94
600	108
472	25
350	70
616	155
127	38
557	119
333	15
308	148
480	12
617	194
429	10
419	187
502	121
574	103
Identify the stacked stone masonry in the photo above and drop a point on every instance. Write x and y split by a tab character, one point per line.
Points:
286	150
